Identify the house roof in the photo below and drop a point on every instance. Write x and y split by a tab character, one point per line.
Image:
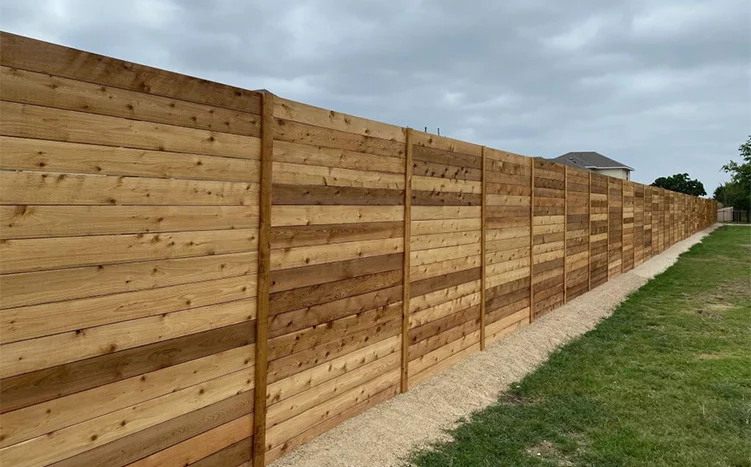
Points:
590	160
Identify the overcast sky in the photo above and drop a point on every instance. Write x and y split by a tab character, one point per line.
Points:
663	86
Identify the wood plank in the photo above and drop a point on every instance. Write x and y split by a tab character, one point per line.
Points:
427	242
449	266
301	133
335	195
23	255
288	279
445	226
284	389
443	198
32	221
101	430
406	265
27	87
57	285
260	376
294	153
308	235
52	318
319	215
61	157
423	213
53	188
30	121
44	57
35	354
163	435
202	446
299	174
30	422
304	113
434	169
320	254
442	156
442	184
304	297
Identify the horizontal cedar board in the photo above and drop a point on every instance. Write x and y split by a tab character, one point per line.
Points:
320	215
65	284
56	189
28	87
65	411
433	328
61	157
437	341
310	338
309	296
306	235
285	173
335	195
296	363
26	255
432	284
34	55
30	121
337	308
319	254
433	169
506	157
59	349
447	144
425	242
304	154
53	382
301	133
437	198
304	113
30	221
51	318
287	279
143	443
505	189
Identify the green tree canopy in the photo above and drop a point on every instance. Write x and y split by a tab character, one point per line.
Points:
682	184
737	192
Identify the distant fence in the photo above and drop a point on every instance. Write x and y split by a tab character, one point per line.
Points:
195	274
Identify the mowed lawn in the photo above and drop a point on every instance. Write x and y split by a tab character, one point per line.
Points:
665	381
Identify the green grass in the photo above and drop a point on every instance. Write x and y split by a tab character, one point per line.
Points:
665	381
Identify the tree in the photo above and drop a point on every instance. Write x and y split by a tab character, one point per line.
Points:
682	184
737	192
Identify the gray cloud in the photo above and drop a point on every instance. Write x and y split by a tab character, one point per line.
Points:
663	85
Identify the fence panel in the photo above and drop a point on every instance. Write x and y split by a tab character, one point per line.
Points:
628	226
337	243
615	231
577	232
549	231
130	228
507	242
445	254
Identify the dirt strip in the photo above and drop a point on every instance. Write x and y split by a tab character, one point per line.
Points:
384	435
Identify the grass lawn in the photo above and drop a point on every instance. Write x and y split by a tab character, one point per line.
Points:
665	381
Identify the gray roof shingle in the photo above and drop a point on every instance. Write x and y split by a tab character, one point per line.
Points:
590	160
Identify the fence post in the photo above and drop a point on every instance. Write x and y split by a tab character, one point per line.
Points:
531	238
565	232
607	241
623	220
589	233
482	253
406	265
264	281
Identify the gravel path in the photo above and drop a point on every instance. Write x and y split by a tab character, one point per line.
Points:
385	434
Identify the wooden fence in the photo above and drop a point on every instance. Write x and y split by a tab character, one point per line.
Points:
196	274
